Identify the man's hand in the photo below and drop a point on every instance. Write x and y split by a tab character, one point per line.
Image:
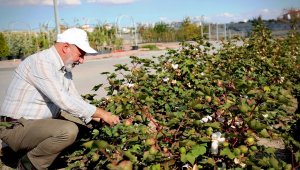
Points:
106	117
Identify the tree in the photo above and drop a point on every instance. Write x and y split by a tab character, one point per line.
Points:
103	36
161	29
188	31
4	49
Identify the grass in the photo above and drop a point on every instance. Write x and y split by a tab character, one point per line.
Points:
150	47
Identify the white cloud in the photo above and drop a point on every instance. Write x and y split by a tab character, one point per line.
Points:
115	2
226	15
265	10
245	16
39	2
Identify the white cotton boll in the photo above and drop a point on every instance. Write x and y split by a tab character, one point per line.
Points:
129	85
281	80
202	74
216	135
174	66
229	122
221	140
238	123
236	161
209	118
166	79
187	166
265	115
205	119
214	147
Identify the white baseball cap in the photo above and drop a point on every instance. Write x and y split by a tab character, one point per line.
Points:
77	37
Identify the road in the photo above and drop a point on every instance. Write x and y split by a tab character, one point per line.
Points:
85	76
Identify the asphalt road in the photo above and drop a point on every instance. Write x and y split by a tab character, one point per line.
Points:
85	76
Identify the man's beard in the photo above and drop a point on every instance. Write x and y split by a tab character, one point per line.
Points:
69	64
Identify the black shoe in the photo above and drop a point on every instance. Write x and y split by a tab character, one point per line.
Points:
25	164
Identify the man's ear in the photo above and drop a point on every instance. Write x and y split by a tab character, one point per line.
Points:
65	48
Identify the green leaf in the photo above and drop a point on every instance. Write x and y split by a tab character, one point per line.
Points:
88	144
270	150
296	143
274	163
264	133
121	67
191	158
101	144
88	96
155	167
119	109
173	121
210	161
105	72
198	150
183	158
227	152
199	106
264	162
95	88
215	125
131	157
297	156
135	148
95	132
107	130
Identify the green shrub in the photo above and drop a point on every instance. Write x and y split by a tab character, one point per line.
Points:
4	49
200	107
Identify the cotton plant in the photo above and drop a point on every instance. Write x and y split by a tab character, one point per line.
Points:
216	139
175	66
206	119
239	162
166	79
129	85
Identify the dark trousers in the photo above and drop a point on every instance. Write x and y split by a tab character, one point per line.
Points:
44	139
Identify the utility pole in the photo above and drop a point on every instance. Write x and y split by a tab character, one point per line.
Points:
225	33
209	32
56	17
217	30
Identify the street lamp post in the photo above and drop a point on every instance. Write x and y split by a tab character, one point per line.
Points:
118	20
56	16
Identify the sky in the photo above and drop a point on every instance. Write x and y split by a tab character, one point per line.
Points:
30	14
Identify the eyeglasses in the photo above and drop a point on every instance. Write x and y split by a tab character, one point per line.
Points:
78	51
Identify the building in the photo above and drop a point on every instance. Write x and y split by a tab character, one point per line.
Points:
291	14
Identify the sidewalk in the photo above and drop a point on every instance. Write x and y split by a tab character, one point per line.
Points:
9	63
